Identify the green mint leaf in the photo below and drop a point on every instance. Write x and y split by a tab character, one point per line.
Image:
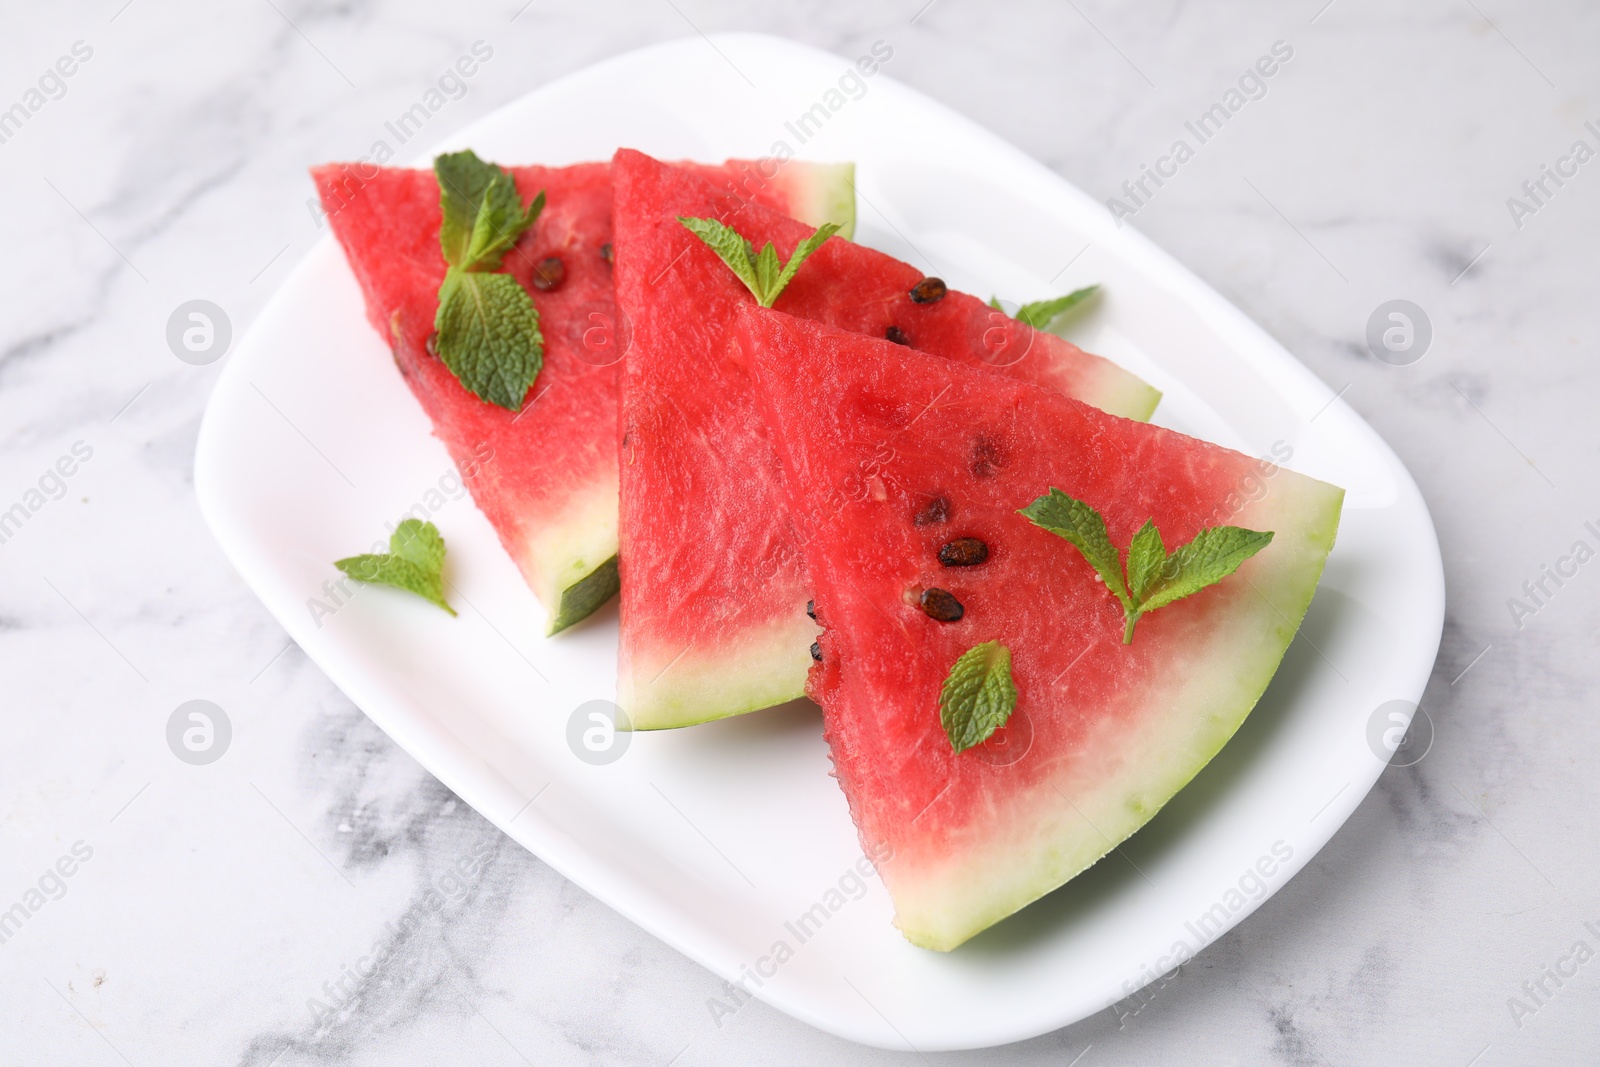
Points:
414	562
1155	578
1147	555
487	333
729	247
486	328
978	696
1042	314
463	181
758	271
418	542
482	213
1082	526
501	221
768	267
801	254
1215	553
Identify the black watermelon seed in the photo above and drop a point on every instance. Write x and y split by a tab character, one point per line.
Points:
811	610
549	274
935	510
816	651
928	290
941	606
964	552
897	335
607	253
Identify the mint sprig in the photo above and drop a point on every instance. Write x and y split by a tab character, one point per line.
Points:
760	271
1042	314
1154	577
486	328
978	696
414	562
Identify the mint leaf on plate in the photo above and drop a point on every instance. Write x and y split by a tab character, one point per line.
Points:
978	696
414	562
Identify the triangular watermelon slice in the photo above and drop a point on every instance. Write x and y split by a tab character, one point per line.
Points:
546	476
1104	733
714	591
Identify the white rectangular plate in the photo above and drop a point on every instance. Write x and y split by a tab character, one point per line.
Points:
714	838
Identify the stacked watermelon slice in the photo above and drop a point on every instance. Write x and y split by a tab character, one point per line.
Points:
845	491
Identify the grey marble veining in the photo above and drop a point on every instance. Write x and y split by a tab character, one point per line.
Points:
316	898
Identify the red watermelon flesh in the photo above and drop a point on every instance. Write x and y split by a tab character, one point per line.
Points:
713	596
544	476
1103	733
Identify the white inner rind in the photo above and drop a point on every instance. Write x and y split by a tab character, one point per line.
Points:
682	687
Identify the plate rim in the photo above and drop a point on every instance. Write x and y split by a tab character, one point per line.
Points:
497	799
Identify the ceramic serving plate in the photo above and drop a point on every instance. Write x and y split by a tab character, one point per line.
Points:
717	839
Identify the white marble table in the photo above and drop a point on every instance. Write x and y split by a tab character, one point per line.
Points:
219	914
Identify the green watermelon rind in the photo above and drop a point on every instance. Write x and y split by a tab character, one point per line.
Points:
1226	677
822	192
584	597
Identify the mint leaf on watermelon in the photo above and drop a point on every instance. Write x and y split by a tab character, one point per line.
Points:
1147	555
978	696
1082	527
487	329
1042	314
1155	577
1215	553
483	215
488	335
759	271
414	562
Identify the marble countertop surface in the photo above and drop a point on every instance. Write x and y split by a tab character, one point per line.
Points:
180	914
